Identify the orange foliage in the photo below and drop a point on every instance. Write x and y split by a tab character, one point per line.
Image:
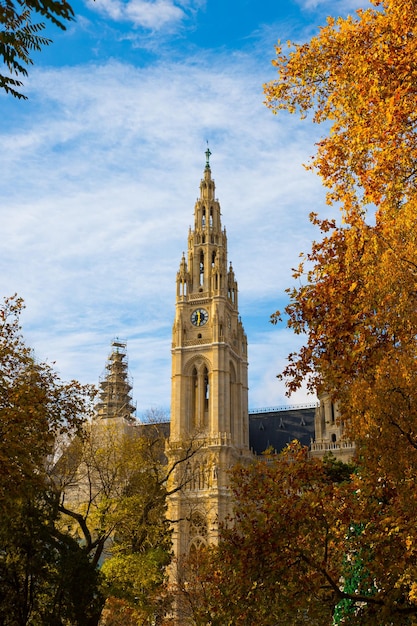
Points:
301	527
360	75
357	303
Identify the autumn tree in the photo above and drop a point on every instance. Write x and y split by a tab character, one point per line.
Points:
40	565
45	576
20	35
114	483
356	303
36	409
279	559
356	299
306	545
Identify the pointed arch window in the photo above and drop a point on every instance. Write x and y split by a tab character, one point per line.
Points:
194	399
183	287
200	397
201	268
211	217
203	219
206	389
233	401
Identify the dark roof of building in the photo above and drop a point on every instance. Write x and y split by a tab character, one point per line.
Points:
153	429
268	428
275	428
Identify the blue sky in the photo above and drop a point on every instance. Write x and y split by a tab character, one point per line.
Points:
100	169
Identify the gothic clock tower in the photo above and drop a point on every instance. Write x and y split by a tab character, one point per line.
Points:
209	402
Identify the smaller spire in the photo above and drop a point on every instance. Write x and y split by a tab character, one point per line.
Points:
208	154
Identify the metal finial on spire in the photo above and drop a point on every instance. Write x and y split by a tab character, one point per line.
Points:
208	154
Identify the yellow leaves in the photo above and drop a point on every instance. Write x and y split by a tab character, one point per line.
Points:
358	304
409	543
360	75
412	596
392	530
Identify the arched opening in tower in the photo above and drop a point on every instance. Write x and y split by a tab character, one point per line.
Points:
201	268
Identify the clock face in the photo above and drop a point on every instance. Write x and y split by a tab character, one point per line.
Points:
199	317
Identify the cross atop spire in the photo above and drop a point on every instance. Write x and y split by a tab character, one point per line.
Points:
208	154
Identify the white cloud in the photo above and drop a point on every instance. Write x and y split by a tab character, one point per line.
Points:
154	15
334	7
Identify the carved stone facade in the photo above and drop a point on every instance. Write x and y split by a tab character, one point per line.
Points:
329	432
209	401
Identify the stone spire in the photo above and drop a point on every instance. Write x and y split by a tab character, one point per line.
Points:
205	270
209	393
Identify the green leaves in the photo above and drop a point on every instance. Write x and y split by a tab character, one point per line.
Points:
115	500
19	36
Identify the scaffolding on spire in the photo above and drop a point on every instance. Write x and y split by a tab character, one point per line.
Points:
115	386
